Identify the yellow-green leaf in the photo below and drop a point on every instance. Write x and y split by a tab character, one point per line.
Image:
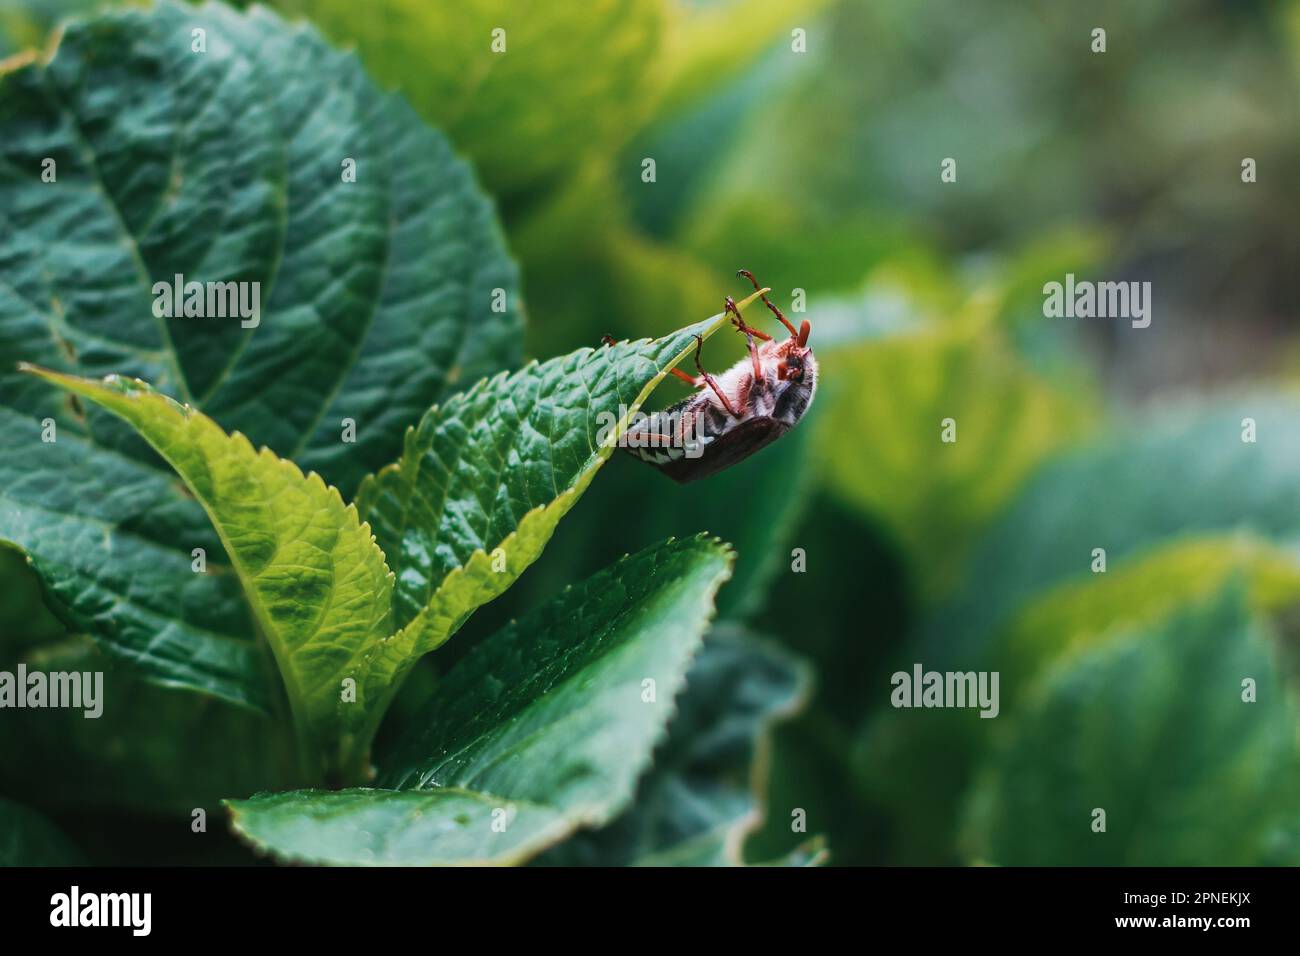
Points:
544	727
312	573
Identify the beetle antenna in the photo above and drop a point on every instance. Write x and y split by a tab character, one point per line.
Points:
794	333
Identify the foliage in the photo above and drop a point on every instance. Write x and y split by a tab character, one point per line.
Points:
304	686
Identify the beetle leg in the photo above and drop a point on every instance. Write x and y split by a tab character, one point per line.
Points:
750	334
794	333
753	358
739	321
688	379
709	379
650	439
722	397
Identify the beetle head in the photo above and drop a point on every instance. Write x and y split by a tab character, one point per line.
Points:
797	364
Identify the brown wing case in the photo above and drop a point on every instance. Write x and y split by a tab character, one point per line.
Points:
726	450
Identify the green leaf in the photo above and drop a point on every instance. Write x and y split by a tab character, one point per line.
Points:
882	436
153	749
112	540
581	253
1142	592
28	839
709	779
711	44
312	574
485	480
641	618
361	827
590	64
1114	493
921	765
376	300
1152	729
544	727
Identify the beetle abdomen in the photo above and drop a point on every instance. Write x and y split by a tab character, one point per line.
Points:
725	450
668	435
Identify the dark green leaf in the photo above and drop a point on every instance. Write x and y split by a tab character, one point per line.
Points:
1115	494
589	64
376	299
485	479
153	749
313	576
1153	730
317	583
543	728
710	775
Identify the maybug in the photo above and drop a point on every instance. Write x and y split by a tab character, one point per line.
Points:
734	414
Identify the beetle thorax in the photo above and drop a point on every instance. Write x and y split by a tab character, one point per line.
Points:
775	393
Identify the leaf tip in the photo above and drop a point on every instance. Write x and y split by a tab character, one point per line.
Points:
47	374
19	60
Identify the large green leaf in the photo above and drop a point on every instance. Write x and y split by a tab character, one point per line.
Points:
1115	494
709	778
484	481
708	45
1031	593
542	728
112	539
377	298
591	64
1152	729
312	574
883	435
1143	592
153	749
919	764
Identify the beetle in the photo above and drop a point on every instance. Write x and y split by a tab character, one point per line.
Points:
734	414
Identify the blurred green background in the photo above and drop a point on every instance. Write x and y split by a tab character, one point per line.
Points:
819	170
